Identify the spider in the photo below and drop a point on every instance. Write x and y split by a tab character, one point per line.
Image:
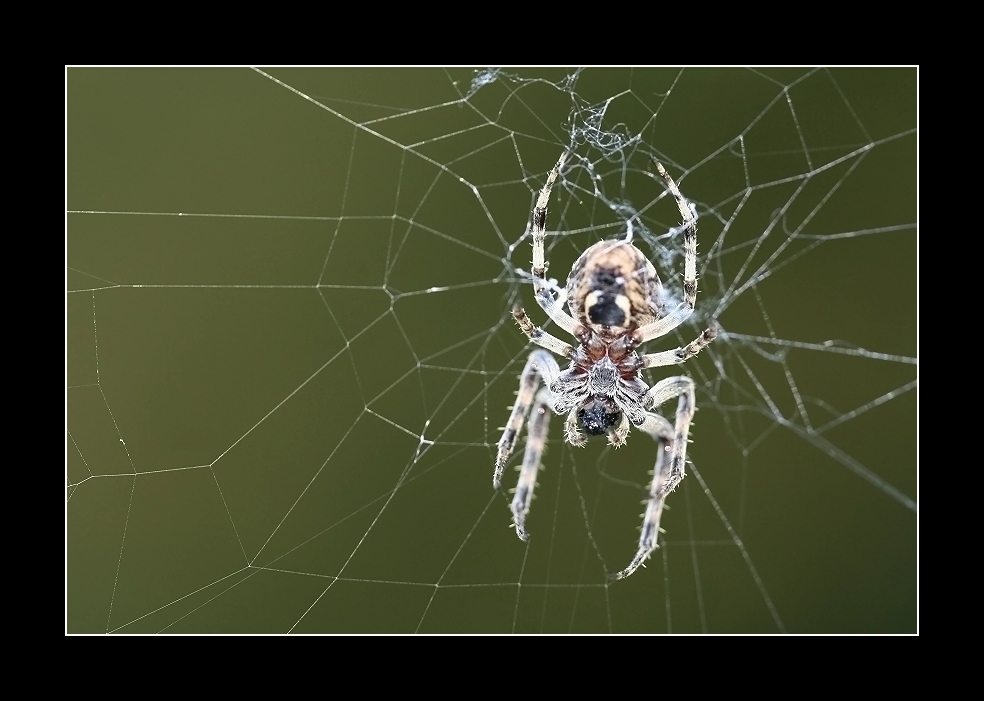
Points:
616	304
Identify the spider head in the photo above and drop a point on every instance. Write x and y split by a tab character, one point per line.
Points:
599	415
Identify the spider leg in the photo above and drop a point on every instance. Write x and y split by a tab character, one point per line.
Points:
535	440
544	297
672	454
662	432
541	337
555	310
539	223
663	326
682	387
683	353
689	238
540	365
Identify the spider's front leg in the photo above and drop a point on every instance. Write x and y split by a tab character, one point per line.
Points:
535	441
670	460
662	391
662	432
539	366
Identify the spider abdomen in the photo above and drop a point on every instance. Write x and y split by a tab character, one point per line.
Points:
613	285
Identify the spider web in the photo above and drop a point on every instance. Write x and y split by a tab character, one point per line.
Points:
289	354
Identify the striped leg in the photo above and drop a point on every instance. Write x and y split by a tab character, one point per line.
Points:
672	455
538	229
540	365
541	337
683	353
663	326
662	391
536	438
689	238
662	432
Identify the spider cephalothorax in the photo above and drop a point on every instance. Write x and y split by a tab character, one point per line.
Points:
616	304
598	415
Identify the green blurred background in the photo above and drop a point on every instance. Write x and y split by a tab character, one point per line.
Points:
289	352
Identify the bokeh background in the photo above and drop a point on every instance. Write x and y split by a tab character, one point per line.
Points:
289	353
